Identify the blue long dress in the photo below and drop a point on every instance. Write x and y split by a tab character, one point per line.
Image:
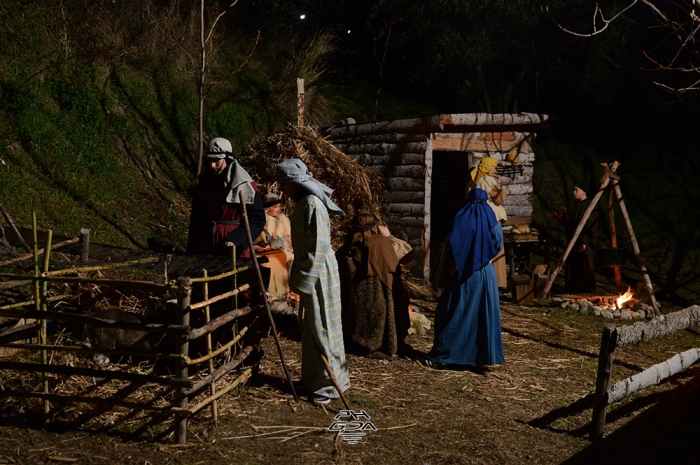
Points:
468	315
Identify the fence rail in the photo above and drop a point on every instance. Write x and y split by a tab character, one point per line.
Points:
38	316
614	337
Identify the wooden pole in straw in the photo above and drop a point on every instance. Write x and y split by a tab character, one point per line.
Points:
300	102
267	305
605	180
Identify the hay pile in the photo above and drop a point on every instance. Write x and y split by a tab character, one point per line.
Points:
355	187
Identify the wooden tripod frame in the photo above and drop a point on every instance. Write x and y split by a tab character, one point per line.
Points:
610	177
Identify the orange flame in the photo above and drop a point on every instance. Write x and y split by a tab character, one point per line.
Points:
627	296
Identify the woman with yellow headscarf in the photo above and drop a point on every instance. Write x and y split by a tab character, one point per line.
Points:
485	177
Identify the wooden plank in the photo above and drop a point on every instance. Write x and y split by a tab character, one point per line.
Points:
407	222
401	171
367	159
470	145
519	210
400	196
405	184
407	209
409	125
517	201
385	148
496	136
493	119
513	220
443	123
519	189
379	138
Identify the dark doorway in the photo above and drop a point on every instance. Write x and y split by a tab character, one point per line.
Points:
449	184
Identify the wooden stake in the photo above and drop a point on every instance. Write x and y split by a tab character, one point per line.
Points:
300	102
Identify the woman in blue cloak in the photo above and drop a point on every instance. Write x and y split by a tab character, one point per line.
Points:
468	315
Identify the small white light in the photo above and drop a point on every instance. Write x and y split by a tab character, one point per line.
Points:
302	17
348	31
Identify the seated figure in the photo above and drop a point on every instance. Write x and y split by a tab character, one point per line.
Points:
374	300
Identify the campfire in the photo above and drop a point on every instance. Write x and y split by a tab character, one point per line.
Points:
625	306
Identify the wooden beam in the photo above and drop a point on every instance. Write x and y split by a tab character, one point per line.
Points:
635	246
605	181
385	148
659	326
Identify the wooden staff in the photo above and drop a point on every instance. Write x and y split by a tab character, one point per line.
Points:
332	377
262	288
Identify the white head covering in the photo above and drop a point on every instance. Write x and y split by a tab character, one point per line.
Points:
236	178
220	148
294	170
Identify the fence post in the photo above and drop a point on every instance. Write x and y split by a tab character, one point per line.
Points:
84	245
608	343
184	296
207	319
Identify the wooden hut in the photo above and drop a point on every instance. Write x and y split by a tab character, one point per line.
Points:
426	161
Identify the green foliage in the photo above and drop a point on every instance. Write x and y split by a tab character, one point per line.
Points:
99	107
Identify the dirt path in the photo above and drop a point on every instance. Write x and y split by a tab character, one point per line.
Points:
533	409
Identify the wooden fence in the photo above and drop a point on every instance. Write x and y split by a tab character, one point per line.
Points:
620	336
187	394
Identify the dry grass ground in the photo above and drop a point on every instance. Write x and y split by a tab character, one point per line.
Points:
533	409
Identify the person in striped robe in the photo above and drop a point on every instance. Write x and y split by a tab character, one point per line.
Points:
314	276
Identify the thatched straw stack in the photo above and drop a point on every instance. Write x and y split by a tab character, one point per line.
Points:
355	187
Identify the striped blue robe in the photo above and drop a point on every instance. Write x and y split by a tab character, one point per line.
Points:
315	276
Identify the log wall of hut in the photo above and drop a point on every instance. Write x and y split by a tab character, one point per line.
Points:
425	163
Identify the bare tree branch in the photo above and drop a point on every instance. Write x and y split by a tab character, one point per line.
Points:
240	67
211	31
171	39
684	28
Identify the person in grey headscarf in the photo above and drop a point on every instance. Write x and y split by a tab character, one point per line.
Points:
314	276
216	210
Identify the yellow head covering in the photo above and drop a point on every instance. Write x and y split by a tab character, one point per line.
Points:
484	168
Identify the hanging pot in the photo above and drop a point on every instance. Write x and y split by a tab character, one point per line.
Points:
610	257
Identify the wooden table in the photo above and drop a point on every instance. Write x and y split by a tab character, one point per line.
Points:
519	248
